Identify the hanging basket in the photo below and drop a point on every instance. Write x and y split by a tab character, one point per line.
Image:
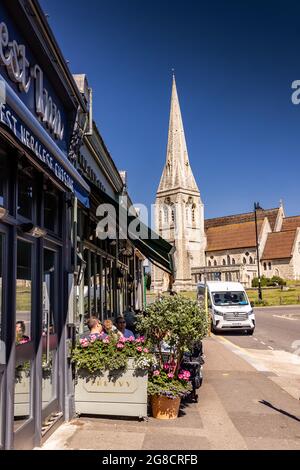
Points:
164	407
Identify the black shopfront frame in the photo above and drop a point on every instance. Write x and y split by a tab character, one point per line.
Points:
29	434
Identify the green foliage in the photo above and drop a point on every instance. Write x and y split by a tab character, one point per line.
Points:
180	323
269	282
161	384
110	354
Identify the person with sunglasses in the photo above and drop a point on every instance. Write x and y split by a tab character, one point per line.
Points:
121	325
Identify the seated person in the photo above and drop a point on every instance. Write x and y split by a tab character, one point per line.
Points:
121	325
96	329
130	318
20	332
111	330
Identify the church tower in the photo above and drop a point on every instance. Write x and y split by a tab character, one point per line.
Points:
179	211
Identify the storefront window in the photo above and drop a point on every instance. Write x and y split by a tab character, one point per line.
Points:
23	374
23	292
109	274
92	287
49	328
2	178
1	283
52	206
25	193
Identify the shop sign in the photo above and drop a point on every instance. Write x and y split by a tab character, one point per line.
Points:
88	172
29	76
29	140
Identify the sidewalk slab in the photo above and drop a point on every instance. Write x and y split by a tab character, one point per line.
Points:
239	408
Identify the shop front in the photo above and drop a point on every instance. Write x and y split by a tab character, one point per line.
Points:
38	106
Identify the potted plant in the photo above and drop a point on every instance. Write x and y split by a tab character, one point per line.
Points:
111	376
171	325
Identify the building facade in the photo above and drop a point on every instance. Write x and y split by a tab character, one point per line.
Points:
55	268
223	248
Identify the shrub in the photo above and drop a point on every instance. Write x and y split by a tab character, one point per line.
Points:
111	353
180	323
269	282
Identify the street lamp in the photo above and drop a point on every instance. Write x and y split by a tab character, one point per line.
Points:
256	208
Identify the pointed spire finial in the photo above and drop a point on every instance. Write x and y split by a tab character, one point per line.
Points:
173	73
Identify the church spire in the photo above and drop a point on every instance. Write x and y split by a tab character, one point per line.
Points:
177	172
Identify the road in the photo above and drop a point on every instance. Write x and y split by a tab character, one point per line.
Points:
274	348
276	328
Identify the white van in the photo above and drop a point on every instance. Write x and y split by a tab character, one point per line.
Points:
228	305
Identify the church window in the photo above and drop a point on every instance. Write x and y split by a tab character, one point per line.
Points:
160	217
228	259
244	261
270	265
166	214
173	215
193	214
224	262
215	262
233	261
209	263
265	266
251	260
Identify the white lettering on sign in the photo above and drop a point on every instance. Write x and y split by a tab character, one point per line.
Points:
30	141
13	57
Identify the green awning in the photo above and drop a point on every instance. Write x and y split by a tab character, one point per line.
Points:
149	243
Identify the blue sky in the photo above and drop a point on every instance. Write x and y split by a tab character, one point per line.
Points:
234	63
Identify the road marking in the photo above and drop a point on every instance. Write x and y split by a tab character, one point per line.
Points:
285	317
263	343
270	347
255	339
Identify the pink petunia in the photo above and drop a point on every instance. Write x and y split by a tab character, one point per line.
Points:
131	338
180	376
120	345
122	339
166	366
170	375
156	372
139	349
106	340
146	350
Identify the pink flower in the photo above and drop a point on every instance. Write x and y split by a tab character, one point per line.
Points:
156	372
106	340
170	375
122	339
84	342
93	338
139	349
180	376
131	338
141	339
166	366
146	350
120	345
23	341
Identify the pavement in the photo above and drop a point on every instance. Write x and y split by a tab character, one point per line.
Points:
240	407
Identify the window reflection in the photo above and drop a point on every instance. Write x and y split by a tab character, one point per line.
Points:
25	193
23	292
3	165
1	282
22	393
49	353
51	208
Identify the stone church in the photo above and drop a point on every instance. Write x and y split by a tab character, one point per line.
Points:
223	248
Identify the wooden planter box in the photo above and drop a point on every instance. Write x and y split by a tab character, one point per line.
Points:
115	393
